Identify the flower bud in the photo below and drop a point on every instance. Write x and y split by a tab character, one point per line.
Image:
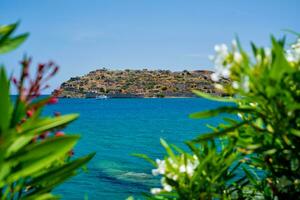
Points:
29	113
53	100
59	133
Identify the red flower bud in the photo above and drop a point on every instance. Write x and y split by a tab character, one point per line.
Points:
53	100
23	120
44	135
59	133
34	139
15	81
29	113
41	67
55	70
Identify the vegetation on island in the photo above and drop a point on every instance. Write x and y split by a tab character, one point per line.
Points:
35	154
255	152
140	83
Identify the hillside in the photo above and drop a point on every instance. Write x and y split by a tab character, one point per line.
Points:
138	83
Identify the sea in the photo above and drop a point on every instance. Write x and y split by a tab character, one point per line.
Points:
118	128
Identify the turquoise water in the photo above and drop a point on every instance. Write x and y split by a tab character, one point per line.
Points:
116	128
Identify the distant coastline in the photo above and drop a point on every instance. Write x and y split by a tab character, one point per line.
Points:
104	83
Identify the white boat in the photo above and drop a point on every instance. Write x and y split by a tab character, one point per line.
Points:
101	97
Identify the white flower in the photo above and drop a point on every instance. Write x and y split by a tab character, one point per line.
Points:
235	85
293	54
221	49
155	190
296	46
165	185
196	160
234	44
244	84
182	169
171	161
161	167
225	72
190	169
237	57
215	77
290	56
268	52
221	55
167	188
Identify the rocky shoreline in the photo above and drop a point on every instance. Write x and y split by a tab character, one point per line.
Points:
144	83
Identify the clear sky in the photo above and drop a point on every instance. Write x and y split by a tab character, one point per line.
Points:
83	35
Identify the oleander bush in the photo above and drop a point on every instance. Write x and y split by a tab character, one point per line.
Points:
255	152
35	154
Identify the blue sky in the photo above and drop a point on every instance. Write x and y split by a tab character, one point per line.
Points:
83	35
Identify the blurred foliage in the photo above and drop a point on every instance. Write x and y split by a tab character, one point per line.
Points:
259	135
35	155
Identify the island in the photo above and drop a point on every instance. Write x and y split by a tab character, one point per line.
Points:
104	83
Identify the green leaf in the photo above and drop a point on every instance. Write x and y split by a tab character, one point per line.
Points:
167	148
177	149
45	196
295	132
145	157
39	102
210	136
217	111
193	148
7	30
292	32
280	64
5	104
213	98
270	152
11	44
250	176
18	113
50	123
37	127
54	176
39	156
254	48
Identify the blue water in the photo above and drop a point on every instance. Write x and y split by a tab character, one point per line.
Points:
116	128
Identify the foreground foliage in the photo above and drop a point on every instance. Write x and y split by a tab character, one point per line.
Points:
35	155
255	152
